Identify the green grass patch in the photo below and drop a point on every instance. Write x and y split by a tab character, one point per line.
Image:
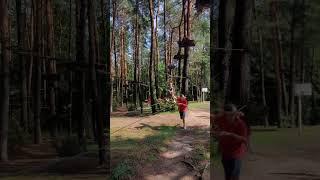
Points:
193	105
123	170
284	137
144	146
199	105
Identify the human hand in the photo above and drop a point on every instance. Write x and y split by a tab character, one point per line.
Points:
221	133
225	133
239	114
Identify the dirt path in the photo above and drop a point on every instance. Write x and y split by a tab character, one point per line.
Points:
177	162
294	162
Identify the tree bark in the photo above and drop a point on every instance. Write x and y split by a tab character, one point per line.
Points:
157	57
4	83
292	62
30	67
114	48
52	67
165	41
37	73
106	82
122	61
185	78
239	61
151	62
93	60
276	48
263	92
21	21
221	63
140	90
79	95
70	73
136	53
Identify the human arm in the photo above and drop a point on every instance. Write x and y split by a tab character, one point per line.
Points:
241	134
239	138
184	103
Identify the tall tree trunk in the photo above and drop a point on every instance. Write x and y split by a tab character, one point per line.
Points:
136	53
114	48
292	62
276	48
165	41
179	79
70	73
151	62
106	88
185	78
4	83
140	90
313	102
30	67
239	61
302	44
170	51
52	67
221	63
37	73
157	57
79	96
262	70
21	21
93	60
122	61
263	93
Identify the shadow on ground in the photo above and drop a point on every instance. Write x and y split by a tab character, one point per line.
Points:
26	164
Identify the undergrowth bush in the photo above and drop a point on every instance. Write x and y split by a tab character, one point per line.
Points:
124	170
67	146
167	105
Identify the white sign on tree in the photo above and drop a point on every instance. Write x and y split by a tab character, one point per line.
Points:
302	89
204	90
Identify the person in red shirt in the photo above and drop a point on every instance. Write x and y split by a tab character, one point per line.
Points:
232	134
182	106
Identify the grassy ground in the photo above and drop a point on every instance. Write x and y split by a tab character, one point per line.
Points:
283	137
192	105
199	105
137	146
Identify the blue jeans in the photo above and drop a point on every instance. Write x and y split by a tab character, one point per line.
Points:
231	168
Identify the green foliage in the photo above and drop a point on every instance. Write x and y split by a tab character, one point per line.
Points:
67	146
201	153
167	105
123	170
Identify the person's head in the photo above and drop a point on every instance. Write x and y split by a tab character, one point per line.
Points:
230	111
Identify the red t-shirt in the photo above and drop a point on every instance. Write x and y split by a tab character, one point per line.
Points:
230	147
182	104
